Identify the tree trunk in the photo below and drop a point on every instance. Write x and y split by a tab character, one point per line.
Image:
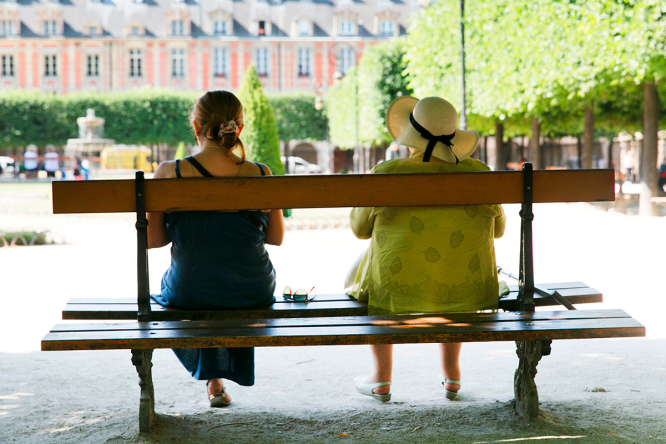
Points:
534	150
579	146
588	138
500	161
648	160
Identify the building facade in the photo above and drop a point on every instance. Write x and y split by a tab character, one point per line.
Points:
65	46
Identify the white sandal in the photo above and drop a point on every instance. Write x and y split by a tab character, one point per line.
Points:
450	394
365	388
218	399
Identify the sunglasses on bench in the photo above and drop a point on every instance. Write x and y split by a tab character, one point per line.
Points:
298	295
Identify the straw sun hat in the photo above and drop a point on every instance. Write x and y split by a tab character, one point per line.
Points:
430	125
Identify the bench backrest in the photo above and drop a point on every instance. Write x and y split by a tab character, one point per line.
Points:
365	190
353	190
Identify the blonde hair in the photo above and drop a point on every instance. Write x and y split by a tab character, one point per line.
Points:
216	108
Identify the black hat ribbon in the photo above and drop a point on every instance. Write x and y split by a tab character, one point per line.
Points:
432	140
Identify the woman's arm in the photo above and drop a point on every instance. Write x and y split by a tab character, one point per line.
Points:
157	233
362	221
275	230
500	223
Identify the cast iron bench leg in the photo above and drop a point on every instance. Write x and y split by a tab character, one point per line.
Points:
527	398
142	361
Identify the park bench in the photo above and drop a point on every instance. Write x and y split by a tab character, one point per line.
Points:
336	319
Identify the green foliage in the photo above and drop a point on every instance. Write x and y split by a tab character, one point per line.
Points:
549	58
260	135
380	81
181	151
296	117
144	116
343	116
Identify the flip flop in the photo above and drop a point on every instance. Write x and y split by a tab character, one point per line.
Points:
364	388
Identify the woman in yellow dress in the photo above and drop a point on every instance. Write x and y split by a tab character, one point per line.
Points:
426	259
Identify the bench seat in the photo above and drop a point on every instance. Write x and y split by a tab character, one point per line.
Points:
354	330
325	305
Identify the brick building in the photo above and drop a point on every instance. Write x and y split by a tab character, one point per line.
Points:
72	45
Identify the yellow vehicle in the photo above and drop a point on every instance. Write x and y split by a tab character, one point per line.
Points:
127	158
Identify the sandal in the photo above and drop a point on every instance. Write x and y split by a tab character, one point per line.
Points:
365	388
450	394
217	399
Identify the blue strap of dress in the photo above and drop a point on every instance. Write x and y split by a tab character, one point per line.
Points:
178	169
195	163
261	168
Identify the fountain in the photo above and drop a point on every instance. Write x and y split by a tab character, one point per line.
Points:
90	142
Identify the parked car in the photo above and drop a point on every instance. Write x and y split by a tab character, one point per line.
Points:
298	165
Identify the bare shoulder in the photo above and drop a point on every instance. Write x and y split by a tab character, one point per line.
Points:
165	170
266	169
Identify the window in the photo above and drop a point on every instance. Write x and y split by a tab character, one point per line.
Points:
387	28
304	28
178	63
7	28
7	66
220	27
346	59
92	31
262	27
50	27
135	63
50	69
220	62
346	28
93	65
262	62
135	31
304	62
178	27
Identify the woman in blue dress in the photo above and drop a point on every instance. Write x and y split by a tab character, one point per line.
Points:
218	259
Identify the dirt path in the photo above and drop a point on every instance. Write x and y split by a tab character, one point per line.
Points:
594	391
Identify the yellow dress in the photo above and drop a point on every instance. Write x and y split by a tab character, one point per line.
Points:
428	259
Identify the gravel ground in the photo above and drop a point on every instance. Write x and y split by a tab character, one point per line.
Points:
596	391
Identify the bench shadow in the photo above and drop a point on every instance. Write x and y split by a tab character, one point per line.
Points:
483	422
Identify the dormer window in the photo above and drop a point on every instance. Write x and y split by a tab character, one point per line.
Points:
346	27
92	31
262	27
386	23
50	27
178	22
134	29
7	28
304	28
387	28
178	27
220	27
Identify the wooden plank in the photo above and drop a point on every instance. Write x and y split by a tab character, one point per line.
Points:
584	295
344	335
326	191
344	321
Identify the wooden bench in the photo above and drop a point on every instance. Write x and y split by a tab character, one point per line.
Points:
335	319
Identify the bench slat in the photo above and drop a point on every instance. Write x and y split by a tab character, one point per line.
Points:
353	190
433	318
324	305
338	331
